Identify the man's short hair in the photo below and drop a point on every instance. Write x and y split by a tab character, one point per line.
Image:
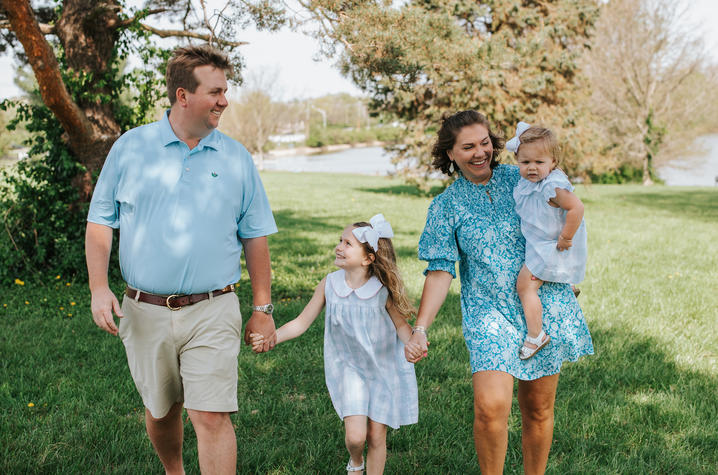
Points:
180	68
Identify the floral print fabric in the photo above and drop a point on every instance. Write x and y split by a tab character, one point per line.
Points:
477	226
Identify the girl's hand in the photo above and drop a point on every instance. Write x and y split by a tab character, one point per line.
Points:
416	348
563	243
257	342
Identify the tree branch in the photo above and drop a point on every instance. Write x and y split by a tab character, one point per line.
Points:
44	27
47	72
190	34
138	16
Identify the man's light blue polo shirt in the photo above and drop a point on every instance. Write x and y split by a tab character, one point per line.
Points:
181	212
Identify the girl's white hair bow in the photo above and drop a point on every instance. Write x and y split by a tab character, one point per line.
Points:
513	144
380	228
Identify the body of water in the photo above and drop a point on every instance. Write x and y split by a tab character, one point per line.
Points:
691	171
694	171
361	160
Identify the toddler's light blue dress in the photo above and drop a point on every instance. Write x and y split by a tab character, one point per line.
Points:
541	225
364	364
477	226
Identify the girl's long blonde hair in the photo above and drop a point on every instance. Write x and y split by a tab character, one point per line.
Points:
385	269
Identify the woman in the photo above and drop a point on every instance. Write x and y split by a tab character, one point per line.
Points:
474	222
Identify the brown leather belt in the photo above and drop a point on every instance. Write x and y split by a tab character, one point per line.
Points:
175	302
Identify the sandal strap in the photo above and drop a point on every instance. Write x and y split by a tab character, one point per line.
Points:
352	468
538	340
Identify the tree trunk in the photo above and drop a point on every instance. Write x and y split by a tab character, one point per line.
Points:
87	30
647	171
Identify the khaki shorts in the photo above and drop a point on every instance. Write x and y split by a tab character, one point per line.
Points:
188	355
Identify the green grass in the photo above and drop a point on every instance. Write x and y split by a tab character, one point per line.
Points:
646	402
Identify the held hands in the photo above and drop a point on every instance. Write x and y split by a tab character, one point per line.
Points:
103	304
257	342
416	348
261	324
563	243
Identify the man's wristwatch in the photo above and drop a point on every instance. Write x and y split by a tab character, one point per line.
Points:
268	308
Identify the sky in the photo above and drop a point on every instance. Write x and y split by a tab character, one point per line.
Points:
293	58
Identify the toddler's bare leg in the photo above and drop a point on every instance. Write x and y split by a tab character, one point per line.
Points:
527	289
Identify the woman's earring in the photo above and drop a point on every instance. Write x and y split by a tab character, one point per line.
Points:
451	167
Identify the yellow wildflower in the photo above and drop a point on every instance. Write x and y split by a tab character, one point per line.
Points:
72	304
62	308
27	303
30	404
19	282
57	277
68	284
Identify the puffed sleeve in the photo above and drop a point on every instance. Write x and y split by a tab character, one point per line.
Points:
555	179
438	245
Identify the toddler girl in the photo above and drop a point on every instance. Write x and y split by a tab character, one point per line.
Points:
551	222
370	383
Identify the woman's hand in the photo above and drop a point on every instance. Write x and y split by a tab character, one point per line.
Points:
416	348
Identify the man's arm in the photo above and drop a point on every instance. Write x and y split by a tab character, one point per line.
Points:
98	243
256	253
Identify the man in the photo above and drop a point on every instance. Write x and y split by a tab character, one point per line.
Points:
187	199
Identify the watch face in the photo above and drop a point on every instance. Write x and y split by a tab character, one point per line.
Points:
270	308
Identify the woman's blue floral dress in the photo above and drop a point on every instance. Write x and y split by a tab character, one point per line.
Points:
478	226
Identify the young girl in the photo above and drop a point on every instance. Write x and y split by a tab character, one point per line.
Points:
370	383
552	223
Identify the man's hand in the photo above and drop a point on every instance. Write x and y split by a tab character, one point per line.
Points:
416	348
263	324
103	304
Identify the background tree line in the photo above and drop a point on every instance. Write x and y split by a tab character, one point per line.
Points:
624	83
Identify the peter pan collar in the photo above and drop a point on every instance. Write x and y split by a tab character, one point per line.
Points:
342	289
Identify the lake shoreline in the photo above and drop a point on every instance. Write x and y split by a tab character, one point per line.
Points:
333	148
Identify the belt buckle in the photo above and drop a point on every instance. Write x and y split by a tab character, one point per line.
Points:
167	302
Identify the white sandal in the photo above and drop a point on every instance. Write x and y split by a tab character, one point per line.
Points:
540	341
352	468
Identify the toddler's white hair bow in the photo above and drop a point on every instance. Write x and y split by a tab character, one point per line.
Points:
380	228
513	144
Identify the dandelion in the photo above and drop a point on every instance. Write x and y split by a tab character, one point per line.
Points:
57	277
62	308
19	282
68	284
27	303
30	404
72	304
4	305
69	315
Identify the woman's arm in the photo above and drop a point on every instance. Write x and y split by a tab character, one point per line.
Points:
574	214
402	326
436	288
299	325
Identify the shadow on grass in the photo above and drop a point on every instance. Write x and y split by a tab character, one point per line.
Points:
406	190
694	203
631	409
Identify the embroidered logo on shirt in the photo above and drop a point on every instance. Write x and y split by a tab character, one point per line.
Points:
214	174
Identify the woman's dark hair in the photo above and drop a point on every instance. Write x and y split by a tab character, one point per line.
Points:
451	125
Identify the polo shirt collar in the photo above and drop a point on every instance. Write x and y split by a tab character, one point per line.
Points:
366	291
168	135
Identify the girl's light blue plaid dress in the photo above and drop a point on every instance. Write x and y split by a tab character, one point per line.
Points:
364	364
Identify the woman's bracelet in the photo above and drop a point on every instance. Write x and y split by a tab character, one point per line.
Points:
564	238
418	329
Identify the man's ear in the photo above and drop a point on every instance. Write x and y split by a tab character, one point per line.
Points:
181	96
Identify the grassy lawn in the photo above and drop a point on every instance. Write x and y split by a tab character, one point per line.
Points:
646	402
